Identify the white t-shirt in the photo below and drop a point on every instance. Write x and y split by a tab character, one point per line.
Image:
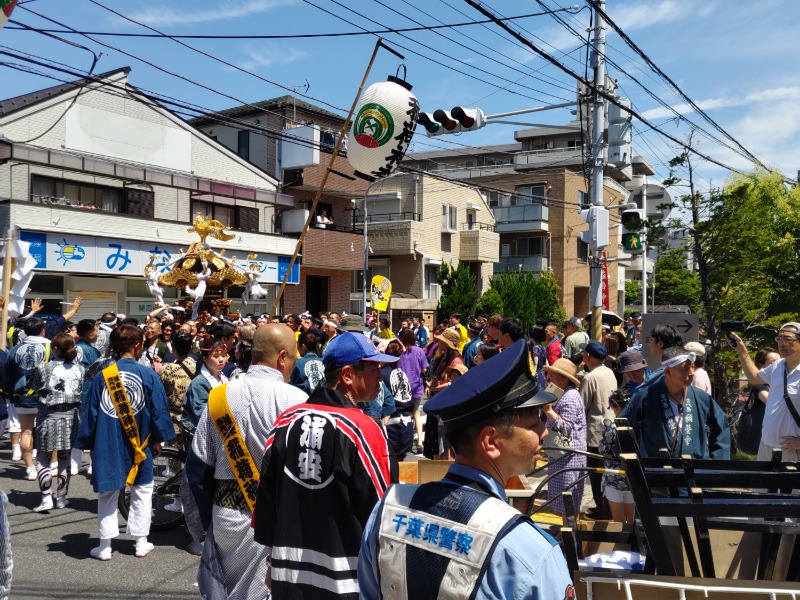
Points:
322	222
778	421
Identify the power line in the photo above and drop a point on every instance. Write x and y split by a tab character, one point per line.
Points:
275	37
655	67
431	59
591	86
649	92
163	70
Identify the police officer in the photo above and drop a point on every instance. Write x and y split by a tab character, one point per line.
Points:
458	538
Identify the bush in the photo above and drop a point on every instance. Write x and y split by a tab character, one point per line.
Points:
490	303
529	296
457	290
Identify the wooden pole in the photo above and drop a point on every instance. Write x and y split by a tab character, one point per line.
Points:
335	153
8	267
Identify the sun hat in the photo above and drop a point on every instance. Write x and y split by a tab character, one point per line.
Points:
631	360
449	337
564	367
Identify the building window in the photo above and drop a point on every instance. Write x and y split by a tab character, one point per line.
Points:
48	190
583	251
243	146
574	144
531	194
532	246
232	217
494	199
583	200
449	217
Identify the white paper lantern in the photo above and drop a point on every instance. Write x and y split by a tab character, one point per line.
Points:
382	128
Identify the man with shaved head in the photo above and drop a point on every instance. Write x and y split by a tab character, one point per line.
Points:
222	469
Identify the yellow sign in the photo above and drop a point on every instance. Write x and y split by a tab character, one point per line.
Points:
380	293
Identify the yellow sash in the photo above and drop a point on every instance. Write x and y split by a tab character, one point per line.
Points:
126	418
242	464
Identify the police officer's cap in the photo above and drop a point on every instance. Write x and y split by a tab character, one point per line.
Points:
503	382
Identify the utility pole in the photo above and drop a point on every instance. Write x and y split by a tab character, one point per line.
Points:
598	164
644	254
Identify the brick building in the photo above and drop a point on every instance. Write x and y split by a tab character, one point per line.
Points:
292	140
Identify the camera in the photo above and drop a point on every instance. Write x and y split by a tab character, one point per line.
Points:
727	326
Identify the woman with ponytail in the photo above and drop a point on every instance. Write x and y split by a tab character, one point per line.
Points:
58	384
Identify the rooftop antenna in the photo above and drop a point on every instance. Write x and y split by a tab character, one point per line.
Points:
305	87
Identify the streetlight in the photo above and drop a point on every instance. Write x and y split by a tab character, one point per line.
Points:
367	248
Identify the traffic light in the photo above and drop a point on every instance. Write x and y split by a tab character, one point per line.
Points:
597	234
452	121
431	125
632	235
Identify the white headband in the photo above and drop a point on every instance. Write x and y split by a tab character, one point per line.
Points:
678	360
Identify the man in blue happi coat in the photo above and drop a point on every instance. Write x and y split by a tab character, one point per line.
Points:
675	415
113	453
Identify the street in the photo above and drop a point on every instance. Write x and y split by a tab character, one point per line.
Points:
51	550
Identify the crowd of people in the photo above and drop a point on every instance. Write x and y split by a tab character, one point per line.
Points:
294	428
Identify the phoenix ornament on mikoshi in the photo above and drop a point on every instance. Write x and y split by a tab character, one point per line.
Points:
202	267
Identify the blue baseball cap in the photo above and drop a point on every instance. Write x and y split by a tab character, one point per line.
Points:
505	381
596	349
348	348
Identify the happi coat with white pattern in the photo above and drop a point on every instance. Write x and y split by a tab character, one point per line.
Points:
326	466
233	566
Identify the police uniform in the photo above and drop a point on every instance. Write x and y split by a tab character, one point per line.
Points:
458	537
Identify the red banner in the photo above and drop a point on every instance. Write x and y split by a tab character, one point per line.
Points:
605	284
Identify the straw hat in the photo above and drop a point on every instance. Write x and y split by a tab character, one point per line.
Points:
449	337
565	368
460	367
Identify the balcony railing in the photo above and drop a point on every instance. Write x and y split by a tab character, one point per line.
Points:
475	226
389	217
521	263
519	214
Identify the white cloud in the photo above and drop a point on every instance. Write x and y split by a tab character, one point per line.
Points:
666	11
270	57
761	96
162	16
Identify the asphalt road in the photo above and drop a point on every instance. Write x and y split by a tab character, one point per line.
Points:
51	550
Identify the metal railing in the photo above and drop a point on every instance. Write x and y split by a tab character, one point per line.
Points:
389	217
516	214
475	226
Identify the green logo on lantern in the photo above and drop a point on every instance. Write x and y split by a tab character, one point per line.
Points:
373	126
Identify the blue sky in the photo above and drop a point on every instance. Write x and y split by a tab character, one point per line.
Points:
735	58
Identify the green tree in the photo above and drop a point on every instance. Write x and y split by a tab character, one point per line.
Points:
528	296
457	290
490	303
633	292
675	284
744	241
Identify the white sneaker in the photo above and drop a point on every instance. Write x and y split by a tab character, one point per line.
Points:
30	473
101	553
16	453
143	548
175	506
46	505
61	502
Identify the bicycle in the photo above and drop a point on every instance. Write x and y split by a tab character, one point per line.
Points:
167	473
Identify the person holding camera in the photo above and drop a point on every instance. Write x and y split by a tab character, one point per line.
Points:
781	427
